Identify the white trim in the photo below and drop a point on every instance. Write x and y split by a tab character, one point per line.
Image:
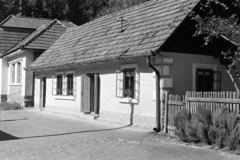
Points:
126	66
201	66
59	73
125	99
16	60
60	97
70	72
128	100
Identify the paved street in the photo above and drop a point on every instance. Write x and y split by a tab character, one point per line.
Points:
35	135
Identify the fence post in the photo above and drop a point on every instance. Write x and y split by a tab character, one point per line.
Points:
166	112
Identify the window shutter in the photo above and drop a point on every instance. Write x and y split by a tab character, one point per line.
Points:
137	86
64	85
54	85
119	84
74	85
217	80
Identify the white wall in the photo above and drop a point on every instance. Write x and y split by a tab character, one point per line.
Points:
3	76
181	70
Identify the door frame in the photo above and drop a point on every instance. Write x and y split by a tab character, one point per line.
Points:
94	93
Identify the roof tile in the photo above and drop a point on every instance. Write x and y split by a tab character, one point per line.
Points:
149	25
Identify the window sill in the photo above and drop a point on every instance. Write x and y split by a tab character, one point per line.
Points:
15	84
128	100
65	97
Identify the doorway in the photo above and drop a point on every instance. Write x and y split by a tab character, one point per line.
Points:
90	91
43	92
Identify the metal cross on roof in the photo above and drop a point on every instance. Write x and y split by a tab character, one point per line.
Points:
122	20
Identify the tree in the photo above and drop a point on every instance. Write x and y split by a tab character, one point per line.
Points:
219	19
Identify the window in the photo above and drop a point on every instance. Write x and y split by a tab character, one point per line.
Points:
127	83
59	84
63	84
208	80
70	84
15	73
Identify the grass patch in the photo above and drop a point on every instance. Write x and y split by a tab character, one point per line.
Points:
10	106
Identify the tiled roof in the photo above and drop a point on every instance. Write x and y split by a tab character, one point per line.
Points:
10	37
149	25
32	23
42	38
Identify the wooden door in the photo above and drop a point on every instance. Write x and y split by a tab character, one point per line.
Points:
85	93
43	92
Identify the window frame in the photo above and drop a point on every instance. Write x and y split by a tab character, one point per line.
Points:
133	99
17	75
200	66
64	95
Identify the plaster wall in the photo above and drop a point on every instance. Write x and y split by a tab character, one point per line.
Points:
181	70
110	107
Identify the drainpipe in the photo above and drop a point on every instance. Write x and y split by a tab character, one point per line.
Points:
158	111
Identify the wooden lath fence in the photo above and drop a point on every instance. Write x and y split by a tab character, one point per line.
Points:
192	100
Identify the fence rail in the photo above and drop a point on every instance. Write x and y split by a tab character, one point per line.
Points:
192	100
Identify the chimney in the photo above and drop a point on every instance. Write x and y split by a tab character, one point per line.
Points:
20	7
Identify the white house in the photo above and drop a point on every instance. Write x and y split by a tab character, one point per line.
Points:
106	69
22	41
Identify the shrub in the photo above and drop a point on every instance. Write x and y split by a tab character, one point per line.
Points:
180	120
10	106
221	128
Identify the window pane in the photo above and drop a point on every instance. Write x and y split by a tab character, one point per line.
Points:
129	83
13	73
70	84
59	85
19	76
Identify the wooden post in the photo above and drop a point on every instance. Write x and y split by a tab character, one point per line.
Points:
166	112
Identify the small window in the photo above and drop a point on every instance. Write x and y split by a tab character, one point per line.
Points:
127	84
208	80
59	84
64	84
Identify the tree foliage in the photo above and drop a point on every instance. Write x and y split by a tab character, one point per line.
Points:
76	11
220	19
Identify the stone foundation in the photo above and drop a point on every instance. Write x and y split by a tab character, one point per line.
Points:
15	94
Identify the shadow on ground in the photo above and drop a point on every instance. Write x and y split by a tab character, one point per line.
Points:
11	120
7	137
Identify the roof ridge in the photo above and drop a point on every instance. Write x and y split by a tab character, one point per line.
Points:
61	23
117	12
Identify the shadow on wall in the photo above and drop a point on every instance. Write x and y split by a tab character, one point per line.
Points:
28	101
131	114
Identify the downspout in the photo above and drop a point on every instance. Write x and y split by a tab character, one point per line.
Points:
158	110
